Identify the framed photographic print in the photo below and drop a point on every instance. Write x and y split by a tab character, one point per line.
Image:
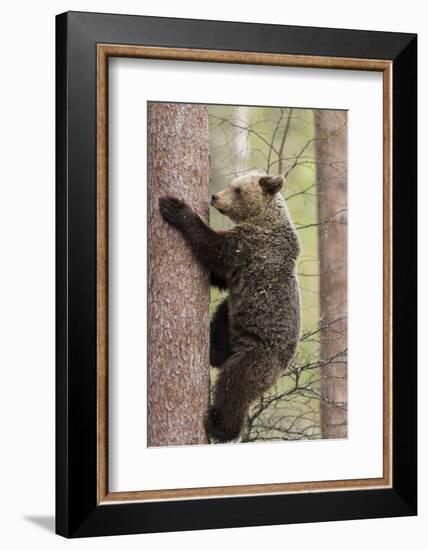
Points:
236	274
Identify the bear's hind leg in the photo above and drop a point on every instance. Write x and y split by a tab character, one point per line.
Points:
244	377
220	349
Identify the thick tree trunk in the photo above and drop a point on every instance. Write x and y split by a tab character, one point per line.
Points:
331	129
178	316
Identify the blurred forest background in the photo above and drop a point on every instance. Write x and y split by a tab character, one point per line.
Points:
195	150
287	141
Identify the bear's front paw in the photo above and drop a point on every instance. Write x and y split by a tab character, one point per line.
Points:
172	209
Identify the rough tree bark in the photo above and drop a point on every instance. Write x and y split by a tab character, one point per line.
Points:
178	287
331	133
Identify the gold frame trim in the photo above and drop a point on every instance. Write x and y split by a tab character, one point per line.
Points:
104	51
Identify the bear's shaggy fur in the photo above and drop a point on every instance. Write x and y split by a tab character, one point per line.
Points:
255	331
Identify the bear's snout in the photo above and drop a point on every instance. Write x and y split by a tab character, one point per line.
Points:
213	199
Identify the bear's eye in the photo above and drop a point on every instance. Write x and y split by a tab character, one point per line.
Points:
238	190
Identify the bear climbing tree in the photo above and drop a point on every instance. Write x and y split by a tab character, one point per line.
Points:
178	293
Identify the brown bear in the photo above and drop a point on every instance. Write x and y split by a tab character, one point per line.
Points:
255	331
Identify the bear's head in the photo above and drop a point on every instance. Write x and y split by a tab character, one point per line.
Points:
252	198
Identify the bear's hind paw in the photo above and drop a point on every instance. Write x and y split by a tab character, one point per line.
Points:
215	426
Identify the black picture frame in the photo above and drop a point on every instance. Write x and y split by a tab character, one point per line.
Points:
77	511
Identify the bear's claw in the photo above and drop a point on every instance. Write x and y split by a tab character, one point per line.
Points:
171	208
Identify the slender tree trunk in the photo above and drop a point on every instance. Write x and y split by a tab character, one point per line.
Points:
178	316
286	131
331	133
240	141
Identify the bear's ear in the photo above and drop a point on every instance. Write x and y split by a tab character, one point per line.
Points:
271	184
